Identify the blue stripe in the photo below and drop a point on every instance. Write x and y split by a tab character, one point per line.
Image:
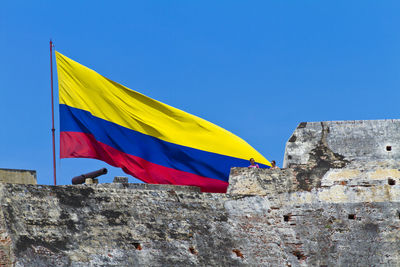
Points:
149	148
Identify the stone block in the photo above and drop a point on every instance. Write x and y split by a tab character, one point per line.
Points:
120	179
15	176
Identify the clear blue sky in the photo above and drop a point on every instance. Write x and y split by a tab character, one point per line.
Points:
256	68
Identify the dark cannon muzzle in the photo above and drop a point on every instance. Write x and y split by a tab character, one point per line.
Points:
81	178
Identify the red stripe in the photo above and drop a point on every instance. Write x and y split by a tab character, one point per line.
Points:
81	145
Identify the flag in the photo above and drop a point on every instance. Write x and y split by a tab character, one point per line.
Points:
149	140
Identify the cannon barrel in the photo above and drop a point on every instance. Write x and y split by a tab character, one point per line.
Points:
81	178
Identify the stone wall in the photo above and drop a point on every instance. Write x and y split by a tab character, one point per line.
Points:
107	225
18	176
114	226
360	182
374	140
333	207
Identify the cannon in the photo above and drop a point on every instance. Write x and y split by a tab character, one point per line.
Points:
81	178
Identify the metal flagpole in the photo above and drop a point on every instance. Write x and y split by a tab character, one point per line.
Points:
52	112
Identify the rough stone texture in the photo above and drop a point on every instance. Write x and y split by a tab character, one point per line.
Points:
333	207
360	182
253	181
17	176
348	140
106	226
120	179
353	219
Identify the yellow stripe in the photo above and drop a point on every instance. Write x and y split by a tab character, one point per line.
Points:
83	88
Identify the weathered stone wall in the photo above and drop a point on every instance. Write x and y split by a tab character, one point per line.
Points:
114	225
334	206
340	195
18	176
353	219
360	182
254	181
372	140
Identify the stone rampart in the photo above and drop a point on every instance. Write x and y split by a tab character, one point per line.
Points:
107	226
333	207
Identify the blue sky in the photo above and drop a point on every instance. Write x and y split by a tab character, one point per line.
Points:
256	68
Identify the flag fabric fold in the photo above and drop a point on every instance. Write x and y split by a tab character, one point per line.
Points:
149	140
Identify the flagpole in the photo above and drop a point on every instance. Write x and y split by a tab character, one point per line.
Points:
52	112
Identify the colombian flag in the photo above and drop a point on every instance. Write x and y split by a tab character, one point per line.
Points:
150	140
